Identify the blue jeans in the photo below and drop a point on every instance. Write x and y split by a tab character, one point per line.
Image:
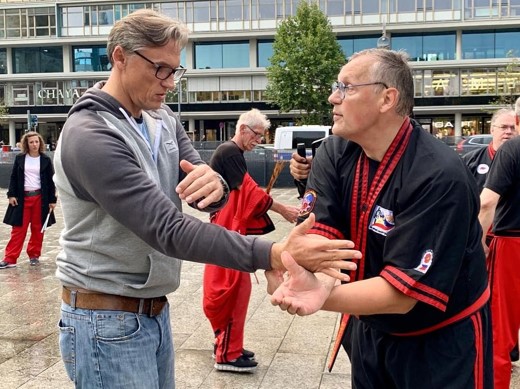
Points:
115	349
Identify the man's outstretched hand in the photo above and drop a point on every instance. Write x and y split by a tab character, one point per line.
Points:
301	293
316	253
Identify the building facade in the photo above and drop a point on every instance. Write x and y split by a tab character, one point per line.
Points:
463	54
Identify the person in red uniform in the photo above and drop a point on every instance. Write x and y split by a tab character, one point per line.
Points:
500	207
417	309
227	291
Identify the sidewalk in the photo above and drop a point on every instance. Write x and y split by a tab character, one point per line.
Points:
292	351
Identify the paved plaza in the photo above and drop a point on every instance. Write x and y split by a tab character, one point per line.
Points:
292	351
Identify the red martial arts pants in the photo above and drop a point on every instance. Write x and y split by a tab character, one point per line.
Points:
32	214
504	277
225	301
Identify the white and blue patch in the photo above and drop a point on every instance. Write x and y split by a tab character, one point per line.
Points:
382	221
426	262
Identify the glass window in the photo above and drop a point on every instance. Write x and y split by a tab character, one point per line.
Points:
90	59
335	8
3	61
72	17
439	47
478	82
370	7
37	59
12	19
235	55
221	55
265	51
201	11
347	46
267	9
233	10
50	93
411	44
406	6
23	94
507	44
441	5
418	83
478	45
365	43
508	82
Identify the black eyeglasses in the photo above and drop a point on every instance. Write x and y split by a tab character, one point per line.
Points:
257	135
349	88
163	72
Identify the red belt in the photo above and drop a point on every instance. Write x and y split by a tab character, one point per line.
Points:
86	299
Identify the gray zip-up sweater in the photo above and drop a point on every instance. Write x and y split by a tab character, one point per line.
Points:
123	224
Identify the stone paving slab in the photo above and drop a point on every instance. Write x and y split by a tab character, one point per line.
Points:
292	351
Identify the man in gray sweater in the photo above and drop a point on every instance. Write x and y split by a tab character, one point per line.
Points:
123	165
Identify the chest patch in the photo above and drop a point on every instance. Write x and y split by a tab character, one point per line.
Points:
426	262
382	220
482	168
308	202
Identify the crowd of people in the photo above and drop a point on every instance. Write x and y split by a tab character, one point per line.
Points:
417	248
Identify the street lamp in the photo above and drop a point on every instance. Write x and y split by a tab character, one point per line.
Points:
383	42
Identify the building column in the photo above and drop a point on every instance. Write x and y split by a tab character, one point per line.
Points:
12	133
458	124
191	125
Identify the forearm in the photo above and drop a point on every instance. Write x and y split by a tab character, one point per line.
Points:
488	203
368	297
277	207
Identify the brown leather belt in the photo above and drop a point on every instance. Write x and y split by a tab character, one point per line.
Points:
86	299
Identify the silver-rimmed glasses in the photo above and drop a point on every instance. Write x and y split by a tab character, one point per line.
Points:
345	89
257	135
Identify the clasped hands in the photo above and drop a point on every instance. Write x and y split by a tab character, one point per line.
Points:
295	288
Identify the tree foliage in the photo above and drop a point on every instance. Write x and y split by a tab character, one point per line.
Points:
306	60
4	111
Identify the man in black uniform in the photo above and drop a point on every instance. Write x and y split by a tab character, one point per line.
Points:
417	308
500	206
502	129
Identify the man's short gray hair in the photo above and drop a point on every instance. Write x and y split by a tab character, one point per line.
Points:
146	28
253	118
392	68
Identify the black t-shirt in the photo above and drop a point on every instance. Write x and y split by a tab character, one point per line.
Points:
479	163
423	234
504	179
228	160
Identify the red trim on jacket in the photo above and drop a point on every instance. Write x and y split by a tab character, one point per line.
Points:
477	305
417	290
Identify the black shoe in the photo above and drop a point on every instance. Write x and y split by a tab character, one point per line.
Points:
239	365
514	354
6	265
34	261
248	354
245	353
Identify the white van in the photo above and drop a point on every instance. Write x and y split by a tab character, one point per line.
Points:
286	138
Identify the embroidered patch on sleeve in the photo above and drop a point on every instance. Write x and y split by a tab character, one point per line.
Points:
426	262
382	220
308	202
482	168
